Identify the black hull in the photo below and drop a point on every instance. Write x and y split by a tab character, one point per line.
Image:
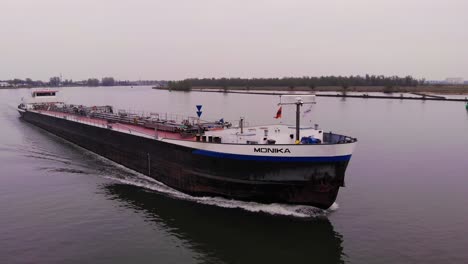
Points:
310	183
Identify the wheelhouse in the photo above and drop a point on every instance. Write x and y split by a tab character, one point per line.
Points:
44	93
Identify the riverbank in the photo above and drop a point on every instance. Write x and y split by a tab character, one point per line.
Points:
55	87
401	96
433	89
430	89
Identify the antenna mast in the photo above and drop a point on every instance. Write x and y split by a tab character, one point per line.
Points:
298	104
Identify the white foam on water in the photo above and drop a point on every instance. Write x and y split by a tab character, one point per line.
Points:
143	181
333	207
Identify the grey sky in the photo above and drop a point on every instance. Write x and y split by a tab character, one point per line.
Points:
151	39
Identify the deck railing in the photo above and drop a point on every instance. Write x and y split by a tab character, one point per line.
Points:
331	138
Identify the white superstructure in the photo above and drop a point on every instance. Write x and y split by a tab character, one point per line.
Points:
270	134
41	95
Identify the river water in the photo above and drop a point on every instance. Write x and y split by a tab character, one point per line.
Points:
404	201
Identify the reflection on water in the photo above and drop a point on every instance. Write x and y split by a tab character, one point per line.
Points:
235	236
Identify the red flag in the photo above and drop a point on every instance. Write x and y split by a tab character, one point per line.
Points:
278	114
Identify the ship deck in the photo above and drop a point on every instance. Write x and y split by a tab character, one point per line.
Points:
120	127
263	135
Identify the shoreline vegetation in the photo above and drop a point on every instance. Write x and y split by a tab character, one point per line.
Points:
366	84
430	89
343	84
59	82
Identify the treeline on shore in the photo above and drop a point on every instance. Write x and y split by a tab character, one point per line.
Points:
389	83
292	82
57	81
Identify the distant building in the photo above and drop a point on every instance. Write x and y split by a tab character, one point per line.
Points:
4	84
454	80
81	83
434	82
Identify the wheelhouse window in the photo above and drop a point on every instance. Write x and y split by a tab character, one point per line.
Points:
41	94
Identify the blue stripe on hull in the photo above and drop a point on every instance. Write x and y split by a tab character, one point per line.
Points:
270	158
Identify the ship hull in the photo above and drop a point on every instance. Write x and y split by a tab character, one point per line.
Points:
185	168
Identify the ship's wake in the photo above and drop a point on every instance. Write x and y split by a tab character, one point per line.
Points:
127	176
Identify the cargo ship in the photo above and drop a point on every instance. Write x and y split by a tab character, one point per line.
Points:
275	163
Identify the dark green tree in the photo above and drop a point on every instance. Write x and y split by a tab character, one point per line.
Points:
54	81
108	81
92	82
29	82
307	81
184	85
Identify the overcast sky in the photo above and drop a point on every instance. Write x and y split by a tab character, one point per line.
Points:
176	39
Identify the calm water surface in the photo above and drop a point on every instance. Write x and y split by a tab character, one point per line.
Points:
404	201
